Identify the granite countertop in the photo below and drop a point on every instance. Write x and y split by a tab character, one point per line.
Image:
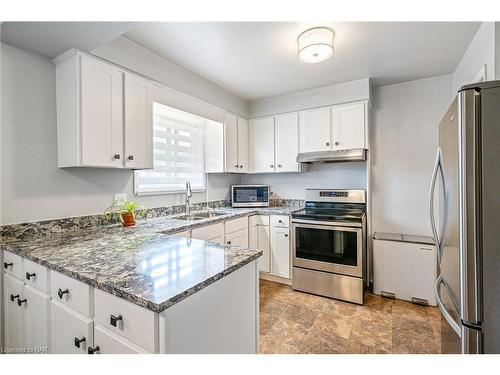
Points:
143	263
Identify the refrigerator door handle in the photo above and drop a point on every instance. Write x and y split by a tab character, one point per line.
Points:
438	168
437	290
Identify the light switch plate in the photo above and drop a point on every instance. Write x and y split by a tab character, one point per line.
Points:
120	198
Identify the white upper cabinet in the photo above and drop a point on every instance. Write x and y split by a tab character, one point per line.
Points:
214	147
262	145
138	123
287	143
315	130
103	115
231	142
242	144
236	142
349	126
101	87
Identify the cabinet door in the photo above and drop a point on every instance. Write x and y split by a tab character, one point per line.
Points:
66	326
239	238
231	142
214	146
314	130
138	123
287	143
111	343
242	144
13	314
348	126
259	239
37	319
280	252
262	135
101	114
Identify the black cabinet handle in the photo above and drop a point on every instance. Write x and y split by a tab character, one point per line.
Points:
79	341
286	235
61	292
7	265
236	166
327	143
13	297
30	275
20	301
279	221
93	350
117	156
114	319
130	157
228	242
241	166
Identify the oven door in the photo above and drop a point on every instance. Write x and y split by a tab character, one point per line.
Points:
330	248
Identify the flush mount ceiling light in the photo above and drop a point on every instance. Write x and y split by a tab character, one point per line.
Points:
315	45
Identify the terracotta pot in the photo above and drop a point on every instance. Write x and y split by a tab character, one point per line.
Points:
128	219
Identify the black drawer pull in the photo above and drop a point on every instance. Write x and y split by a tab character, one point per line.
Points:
7	265
117	156
30	275
79	341
130	157
61	292
114	319
93	350
21	301
286	235
13	297
229	242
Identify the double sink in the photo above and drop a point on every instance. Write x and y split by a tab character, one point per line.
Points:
195	216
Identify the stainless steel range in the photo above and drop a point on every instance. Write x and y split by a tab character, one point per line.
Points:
329	244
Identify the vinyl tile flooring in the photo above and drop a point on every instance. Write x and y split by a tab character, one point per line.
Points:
292	322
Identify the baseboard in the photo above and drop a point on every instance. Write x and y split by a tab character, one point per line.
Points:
276	279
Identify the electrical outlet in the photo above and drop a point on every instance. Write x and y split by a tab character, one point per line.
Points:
271	191
120	198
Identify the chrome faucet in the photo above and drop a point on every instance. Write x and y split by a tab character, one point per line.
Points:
189	194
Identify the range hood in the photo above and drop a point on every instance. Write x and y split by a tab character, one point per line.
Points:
340	156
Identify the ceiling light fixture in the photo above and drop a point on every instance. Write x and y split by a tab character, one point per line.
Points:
315	45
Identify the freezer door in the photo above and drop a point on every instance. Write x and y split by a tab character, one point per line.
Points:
445	189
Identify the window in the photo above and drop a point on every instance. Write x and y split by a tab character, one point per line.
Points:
179	153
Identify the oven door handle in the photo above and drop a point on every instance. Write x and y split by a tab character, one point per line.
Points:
327	224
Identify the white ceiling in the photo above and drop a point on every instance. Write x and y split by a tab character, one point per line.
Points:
259	59
50	39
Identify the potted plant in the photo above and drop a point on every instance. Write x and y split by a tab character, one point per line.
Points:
126	210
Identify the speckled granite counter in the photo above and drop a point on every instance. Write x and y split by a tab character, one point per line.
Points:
142	264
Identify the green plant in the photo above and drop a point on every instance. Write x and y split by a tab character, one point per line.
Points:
122	208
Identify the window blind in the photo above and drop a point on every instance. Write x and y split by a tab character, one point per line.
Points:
179	152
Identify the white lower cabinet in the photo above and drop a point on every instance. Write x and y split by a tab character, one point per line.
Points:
280	245
107	342
239	238
71	332
13	314
37	319
213	232
259	239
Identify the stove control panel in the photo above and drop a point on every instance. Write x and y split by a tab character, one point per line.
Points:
336	194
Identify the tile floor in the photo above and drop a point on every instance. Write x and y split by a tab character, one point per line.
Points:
294	322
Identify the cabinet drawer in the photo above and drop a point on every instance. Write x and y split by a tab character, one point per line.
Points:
111	343
259	220
133	322
12	264
280	221
66	326
235	225
72	293
209	232
36	275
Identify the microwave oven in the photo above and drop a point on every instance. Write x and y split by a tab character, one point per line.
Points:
250	195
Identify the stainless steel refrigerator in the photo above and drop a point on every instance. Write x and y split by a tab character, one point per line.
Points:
465	185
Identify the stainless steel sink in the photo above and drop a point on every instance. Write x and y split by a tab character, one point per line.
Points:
200	215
